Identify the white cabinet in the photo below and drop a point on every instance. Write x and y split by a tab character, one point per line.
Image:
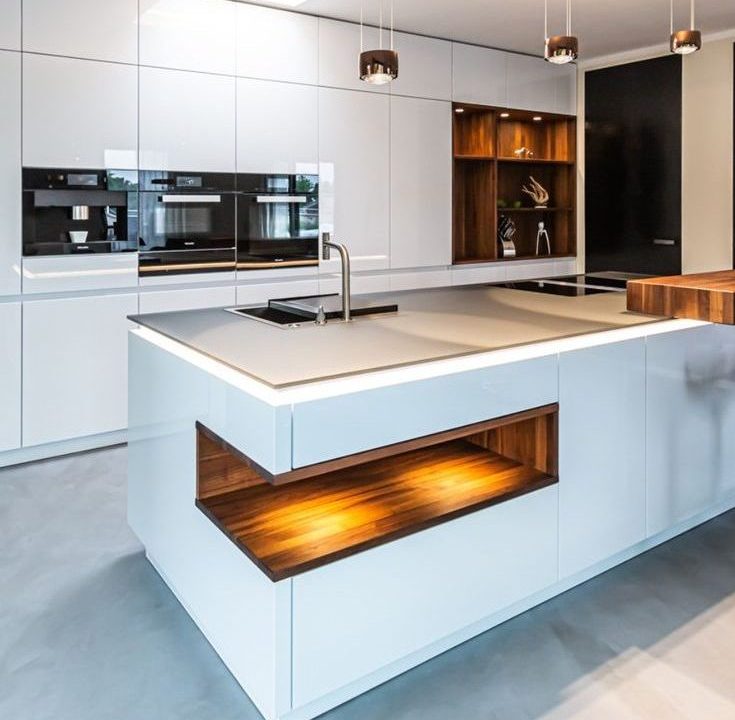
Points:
79	113
155	301
10	24
276	45
690	423
421	183
258	293
75	273
339	55
479	75
10	180
424	67
565	85
187	121
354	135
10	383
188	34
75	366
531	83
82	28
277	127
602	482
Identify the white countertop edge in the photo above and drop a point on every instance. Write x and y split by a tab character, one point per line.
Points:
409	373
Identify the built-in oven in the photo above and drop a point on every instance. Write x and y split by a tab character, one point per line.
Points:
187	223
277	221
79	212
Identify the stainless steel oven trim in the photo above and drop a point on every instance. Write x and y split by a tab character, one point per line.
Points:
190	199
280	198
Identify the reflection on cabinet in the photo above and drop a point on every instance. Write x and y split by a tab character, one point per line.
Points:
354	136
10	24
10	334
155	301
75	366
261	292
425	67
187	121
602	489
276	45
531	83
82	28
188	35
79	113
10	201
421	183
277	127
479	75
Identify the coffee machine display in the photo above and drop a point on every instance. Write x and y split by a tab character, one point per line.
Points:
69	212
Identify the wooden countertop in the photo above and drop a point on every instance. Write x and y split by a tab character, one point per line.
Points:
703	296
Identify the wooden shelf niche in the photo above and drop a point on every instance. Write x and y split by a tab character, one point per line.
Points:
488	178
354	503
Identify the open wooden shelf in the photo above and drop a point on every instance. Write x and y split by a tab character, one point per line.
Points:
533	161
292	528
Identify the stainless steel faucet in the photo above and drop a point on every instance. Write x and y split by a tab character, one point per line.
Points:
327	244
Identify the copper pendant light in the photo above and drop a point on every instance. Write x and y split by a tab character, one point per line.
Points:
684	42
378	67
560	49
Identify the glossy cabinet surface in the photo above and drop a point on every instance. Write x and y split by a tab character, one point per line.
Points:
92	29
79	273
10	14
565	85
10	375
479	75
188	34
276	45
602	473
187	121
10	180
531	83
277	127
425	67
75	366
154	301
421	183
79	113
354	169
258	293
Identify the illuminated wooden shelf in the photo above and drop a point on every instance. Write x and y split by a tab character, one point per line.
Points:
289	529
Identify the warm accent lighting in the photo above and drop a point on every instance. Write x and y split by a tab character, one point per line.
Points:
504	115
684	42
537	118
459	110
560	49
378	67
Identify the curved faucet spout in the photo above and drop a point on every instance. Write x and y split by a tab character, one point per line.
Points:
344	255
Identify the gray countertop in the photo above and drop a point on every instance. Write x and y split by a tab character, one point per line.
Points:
430	325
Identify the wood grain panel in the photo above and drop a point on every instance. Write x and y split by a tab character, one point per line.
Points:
703	296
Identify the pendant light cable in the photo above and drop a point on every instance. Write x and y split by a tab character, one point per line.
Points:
380	25
671	17
362	42
546	19
691	14
569	17
391	24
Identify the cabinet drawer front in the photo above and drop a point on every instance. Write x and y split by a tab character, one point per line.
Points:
355	616
346	424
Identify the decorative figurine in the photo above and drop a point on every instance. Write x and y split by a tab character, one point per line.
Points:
506	231
542	236
537	192
523	153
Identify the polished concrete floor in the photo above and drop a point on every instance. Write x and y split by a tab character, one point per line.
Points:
89	632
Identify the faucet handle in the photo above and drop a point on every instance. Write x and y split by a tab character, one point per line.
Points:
326	239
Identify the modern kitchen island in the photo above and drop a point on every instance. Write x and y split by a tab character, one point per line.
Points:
336	504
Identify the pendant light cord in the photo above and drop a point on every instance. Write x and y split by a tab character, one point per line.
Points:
692	14
380	25
362	44
546	20
391	24
569	17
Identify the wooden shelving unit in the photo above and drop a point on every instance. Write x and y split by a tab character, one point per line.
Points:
488	178
355	503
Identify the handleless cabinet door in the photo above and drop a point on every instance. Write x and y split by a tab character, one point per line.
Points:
188	34
155	301
187	121
10	181
75	366
479	75
10	334
79	113
421	183
276	45
425	67
565	86
354	135
277	127
10	24
531	83
92	29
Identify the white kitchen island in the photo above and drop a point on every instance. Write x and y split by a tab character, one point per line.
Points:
533	442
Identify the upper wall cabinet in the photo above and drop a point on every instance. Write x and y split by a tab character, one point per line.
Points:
421	183
534	84
82	28
339	55
566	89
276	45
425	67
79	113
187	121
10	182
188	34
10	24
277	127
479	75
354	174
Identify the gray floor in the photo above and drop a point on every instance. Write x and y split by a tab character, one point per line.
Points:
89	632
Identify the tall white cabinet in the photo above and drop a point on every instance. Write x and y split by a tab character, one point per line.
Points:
10	180
10	11
10	374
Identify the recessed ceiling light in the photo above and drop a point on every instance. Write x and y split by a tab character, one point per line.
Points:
459	110
537	118
504	115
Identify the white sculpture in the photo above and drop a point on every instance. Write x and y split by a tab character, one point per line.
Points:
542	236
538	193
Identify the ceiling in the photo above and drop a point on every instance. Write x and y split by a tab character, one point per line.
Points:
603	27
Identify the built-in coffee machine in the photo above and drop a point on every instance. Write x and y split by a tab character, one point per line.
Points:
69	212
